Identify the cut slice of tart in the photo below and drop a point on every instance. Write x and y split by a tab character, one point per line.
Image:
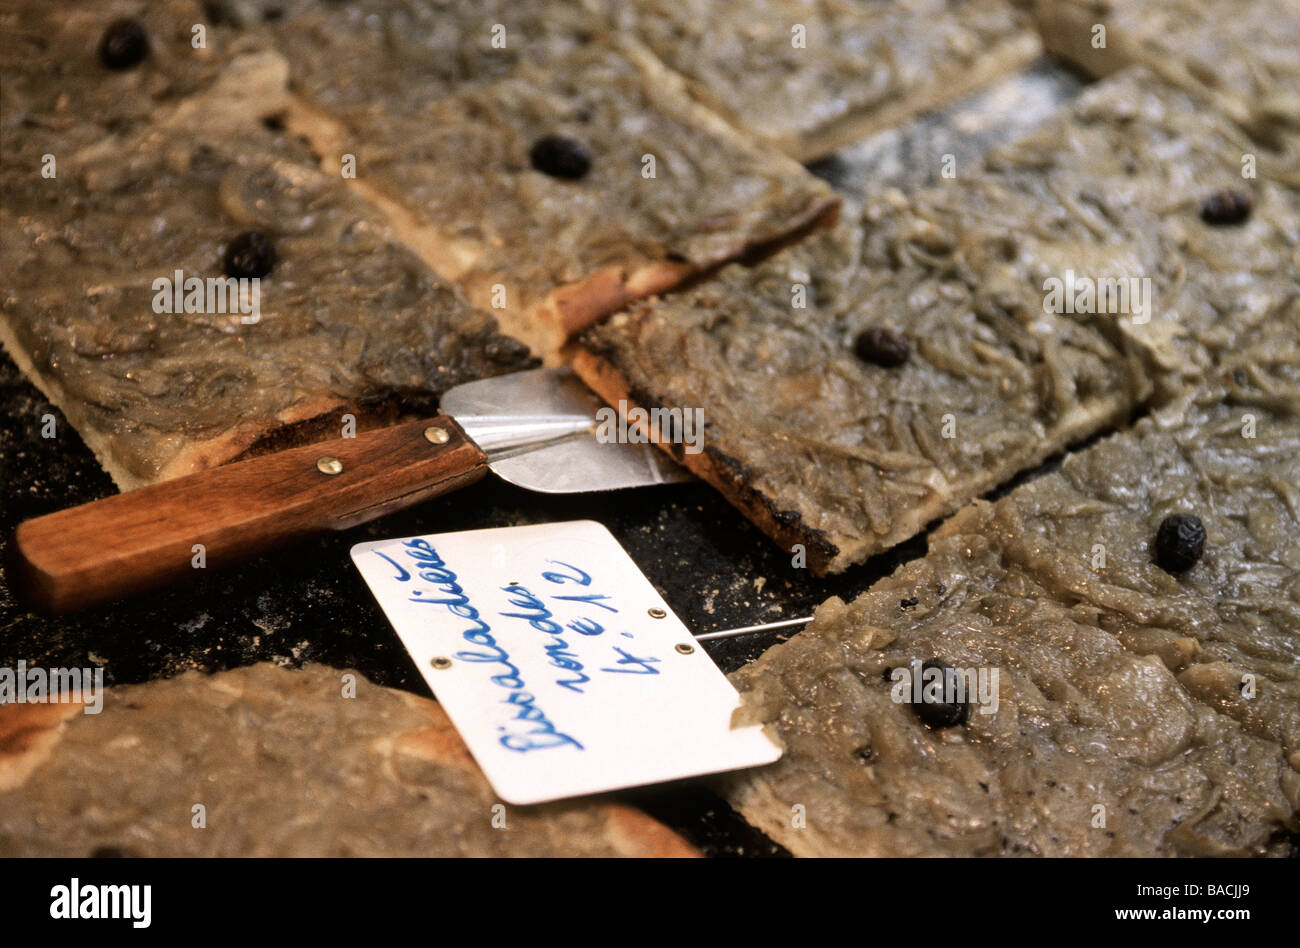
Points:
1032	304
561	192
1238	55
185	300
852	393
1108	706
810	77
282	763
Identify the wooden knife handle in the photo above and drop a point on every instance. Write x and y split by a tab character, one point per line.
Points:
151	537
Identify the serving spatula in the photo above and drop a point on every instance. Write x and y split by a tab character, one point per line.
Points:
536	429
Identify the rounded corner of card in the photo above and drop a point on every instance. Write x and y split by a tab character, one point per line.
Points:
596	524
358	549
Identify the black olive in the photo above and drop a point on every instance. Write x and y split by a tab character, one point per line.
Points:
882	347
1180	541
941	713
250	255
560	157
908	603
1227	206
125	44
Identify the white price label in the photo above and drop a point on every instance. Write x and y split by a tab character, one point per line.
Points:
561	667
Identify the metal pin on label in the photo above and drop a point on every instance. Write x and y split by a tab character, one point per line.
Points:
750	629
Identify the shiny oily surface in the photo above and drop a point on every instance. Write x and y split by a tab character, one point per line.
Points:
56	76
852	454
287	764
857	455
346	315
1120	686
788	87
461	166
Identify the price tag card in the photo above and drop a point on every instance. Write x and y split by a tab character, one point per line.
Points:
561	667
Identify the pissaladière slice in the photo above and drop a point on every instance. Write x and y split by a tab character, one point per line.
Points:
104	65
398	56
1239	55
810	77
562	191
348	320
832	452
315	762
1138	712
1041	300
1140	187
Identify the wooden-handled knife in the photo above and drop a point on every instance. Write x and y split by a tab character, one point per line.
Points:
536	429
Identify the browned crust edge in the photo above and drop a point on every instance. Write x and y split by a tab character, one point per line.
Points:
833	553
712	466
307	421
291	427
31	732
576	307
628	830
637	834
28	735
548	325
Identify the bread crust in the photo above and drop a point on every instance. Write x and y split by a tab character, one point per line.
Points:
833	553
306	422
568	308
28	735
56	767
712	466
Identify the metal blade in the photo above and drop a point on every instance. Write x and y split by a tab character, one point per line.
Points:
538	429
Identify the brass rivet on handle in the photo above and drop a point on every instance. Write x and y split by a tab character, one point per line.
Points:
656	613
435	435
440	663
684	649
328	465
